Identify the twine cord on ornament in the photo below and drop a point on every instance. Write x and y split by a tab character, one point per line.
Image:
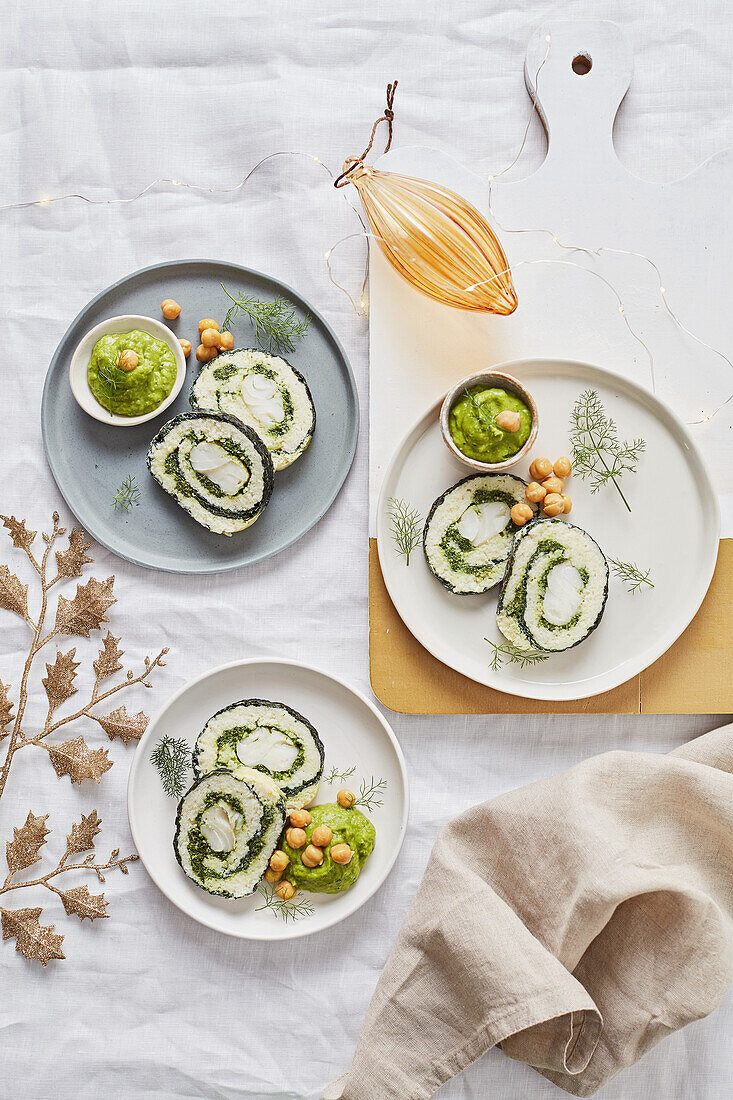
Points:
357	162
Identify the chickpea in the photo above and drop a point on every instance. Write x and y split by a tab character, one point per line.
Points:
520	513
204	355
210	338
563	467
567	504
312	856
554	505
540	469
296	838
208	322
300	819
553	484
508	421
226	342
186	346
279	861
346	799
128	360
535	492
285	891
321	836
341	853
170	308
272	876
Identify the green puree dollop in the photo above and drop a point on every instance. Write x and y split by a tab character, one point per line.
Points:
473	428
349	827
135	392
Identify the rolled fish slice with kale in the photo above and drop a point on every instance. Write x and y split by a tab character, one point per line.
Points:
469	532
271	737
266	393
555	589
215	467
226	830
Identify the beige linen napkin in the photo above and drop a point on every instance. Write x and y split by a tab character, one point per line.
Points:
576	921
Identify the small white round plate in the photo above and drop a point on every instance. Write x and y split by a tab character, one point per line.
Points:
79	367
354	734
672	530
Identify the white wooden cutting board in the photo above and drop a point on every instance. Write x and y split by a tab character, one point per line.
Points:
585	196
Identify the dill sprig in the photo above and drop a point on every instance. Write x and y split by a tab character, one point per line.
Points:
171	757
484	419
406	524
107	377
127	495
630	574
598	453
276	324
369	793
285	910
509	652
335	776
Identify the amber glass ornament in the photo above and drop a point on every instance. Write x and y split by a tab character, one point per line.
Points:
435	239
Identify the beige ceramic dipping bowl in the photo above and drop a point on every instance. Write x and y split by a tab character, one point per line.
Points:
488	378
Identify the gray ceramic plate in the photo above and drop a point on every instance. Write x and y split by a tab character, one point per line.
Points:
89	459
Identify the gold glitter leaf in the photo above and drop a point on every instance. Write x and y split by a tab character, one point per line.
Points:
130	727
22	538
6	706
33	940
83	904
108	661
13	594
23	850
81	837
75	759
59	681
71	562
86	612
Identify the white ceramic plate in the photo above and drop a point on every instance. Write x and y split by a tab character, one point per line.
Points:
353	732
79	367
673	530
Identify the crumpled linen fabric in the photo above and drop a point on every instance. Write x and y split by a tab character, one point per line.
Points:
103	99
576	922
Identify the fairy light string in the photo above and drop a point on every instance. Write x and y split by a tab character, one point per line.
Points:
360	305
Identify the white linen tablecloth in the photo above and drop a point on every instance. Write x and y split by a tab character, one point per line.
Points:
102	99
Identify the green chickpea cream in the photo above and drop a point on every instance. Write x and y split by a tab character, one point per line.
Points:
348	827
473	428
134	392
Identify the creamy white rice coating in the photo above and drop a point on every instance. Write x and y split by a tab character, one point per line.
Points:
234	872
471	568
269	736
538	550
244	506
218	386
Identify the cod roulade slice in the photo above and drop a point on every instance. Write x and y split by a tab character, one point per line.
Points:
271	737
264	392
215	467
555	589
226	830
469	532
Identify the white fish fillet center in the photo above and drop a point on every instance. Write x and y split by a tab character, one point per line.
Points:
215	463
564	594
481	522
263	399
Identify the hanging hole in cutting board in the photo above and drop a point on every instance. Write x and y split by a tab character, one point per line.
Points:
582	64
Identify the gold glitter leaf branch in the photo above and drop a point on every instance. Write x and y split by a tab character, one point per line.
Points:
32	939
78	616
